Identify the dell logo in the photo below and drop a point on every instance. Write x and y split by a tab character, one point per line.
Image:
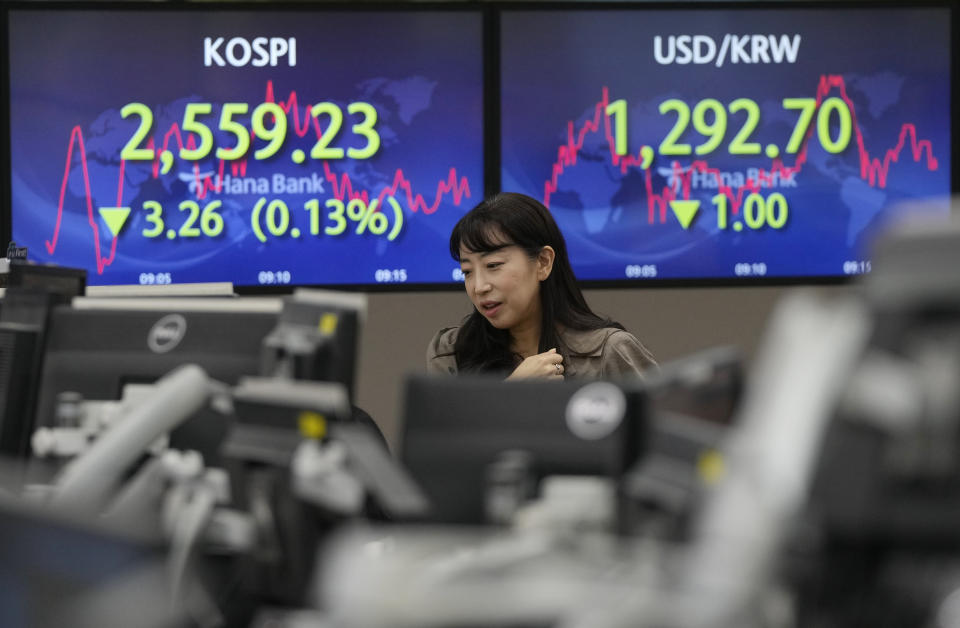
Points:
167	333
596	410
239	52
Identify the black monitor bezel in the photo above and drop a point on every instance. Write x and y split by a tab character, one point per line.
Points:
491	13
479	417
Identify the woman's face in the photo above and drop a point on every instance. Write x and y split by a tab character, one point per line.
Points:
504	284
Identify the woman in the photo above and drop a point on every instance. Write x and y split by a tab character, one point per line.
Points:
530	318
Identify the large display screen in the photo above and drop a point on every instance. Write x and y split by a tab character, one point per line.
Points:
724	143
262	147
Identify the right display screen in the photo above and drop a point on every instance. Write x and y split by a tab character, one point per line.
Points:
722	144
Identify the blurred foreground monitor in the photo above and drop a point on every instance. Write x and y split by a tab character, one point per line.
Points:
461	434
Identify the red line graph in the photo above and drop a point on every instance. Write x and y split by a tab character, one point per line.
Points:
343	187
872	169
76	137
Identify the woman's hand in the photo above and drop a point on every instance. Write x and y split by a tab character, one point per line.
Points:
546	365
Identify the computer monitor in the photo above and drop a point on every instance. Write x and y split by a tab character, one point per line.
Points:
706	385
315	144
316	338
96	346
455	428
30	291
727	142
56	571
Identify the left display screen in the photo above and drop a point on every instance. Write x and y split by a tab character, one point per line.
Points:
291	147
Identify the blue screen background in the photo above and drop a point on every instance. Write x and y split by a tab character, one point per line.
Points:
892	66
71	72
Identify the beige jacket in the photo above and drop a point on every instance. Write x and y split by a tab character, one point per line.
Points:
607	353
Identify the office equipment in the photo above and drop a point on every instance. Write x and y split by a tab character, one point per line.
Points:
316	338
457	430
90	479
31	292
57	570
727	142
715	155
278	148
706	385
97	346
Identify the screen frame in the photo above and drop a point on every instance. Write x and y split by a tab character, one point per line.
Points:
953	6
482	11
490	15
481	418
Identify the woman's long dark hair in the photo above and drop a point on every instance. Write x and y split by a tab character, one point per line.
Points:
511	218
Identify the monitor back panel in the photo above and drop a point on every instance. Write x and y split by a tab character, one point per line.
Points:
454	428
